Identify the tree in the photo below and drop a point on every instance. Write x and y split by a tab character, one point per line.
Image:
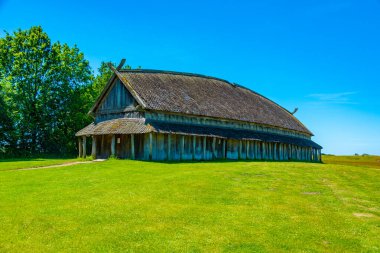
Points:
43	85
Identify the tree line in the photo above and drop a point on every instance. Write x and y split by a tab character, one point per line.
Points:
46	91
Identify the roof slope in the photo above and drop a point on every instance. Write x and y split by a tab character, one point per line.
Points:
206	96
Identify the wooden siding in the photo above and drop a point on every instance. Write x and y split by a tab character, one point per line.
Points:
175	147
117	99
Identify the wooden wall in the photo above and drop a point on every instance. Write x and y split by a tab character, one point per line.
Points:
174	147
116	99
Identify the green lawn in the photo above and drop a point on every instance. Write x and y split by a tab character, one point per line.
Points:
19	163
122	206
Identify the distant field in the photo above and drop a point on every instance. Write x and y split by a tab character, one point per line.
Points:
132	206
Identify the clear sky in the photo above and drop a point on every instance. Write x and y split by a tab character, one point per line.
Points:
320	56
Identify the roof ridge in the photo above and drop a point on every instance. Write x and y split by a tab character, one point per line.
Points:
153	71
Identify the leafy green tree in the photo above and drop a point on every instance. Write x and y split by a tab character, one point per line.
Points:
43	84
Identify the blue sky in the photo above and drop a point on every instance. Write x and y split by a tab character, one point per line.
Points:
320	56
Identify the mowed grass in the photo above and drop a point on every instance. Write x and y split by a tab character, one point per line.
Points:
19	163
132	206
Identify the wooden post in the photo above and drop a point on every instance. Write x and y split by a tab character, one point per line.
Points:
93	150
204	147
80	147
224	149
194	146
84	147
263	153
113	144
247	149
213	148
239	150
150	146
182	147
275	151
256	150
132	146
169	146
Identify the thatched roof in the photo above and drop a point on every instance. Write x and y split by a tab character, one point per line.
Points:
200	95
116	126
139	126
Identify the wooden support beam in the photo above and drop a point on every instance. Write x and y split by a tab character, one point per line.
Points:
133	146
84	147
169	146
80	147
113	145
213	147
239	149
204	147
256	149
275	151
263	151
93	149
150	146
194	146
247	149
224	148
182	147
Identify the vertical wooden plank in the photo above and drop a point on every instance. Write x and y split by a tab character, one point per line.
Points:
169	146
224	148
263	153
133	146
113	143
150	146
204	147
239	150
213	148
247	143
80	147
93	150
84	147
182	147
194	146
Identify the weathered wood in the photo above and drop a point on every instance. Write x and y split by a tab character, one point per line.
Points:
194	146
224	148
204	148
263	151
182	147
213	148
133	155
150	146
84	147
93	149
239	150
169	147
80	147
247	149
113	143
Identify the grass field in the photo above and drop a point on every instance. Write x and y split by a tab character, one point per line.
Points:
131	206
19	163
